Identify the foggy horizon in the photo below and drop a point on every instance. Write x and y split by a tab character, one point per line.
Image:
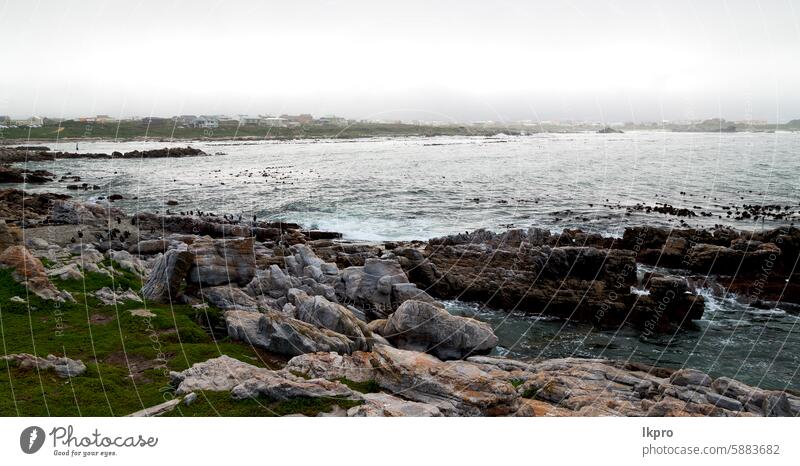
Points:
448	62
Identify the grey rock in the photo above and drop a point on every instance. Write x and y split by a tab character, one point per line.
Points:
685	377
385	405
229	297
159	409
320	312
222	261
370	286
66	272
150	246
271	282
285	335
110	297
189	399
243	326
63	367
169	271
420	326
723	401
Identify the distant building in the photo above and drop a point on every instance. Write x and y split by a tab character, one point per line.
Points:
332	120
273	122
33	122
303	119
104	119
5	120
248	120
185	120
206	121
152	121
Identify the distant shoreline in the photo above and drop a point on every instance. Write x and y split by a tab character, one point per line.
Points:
167	131
5	142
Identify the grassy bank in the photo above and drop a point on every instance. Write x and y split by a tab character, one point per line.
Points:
227	130
128	357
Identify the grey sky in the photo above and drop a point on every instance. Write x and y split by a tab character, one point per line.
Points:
443	60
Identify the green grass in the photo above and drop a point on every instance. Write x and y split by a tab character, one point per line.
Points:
106	339
220	403
167	129
369	386
46	262
516	382
120	279
530	393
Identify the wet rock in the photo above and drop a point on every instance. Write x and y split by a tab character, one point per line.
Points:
84	213
708	259
512	271
19	207
420	326
685	377
22	175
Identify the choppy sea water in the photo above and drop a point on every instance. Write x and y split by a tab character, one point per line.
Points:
417	188
397	189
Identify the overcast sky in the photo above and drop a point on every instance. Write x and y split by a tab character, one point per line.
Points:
432	60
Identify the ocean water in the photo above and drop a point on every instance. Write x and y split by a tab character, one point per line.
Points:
417	188
400	189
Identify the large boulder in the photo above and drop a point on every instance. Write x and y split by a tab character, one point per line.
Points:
84	213
485	385
164	282
556	276
272	282
222	261
227	297
281	334
456	388
749	259
420	326
244	326
318	311
370	286
247	381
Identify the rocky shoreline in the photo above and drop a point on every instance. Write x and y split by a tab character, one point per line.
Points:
372	312
42	153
